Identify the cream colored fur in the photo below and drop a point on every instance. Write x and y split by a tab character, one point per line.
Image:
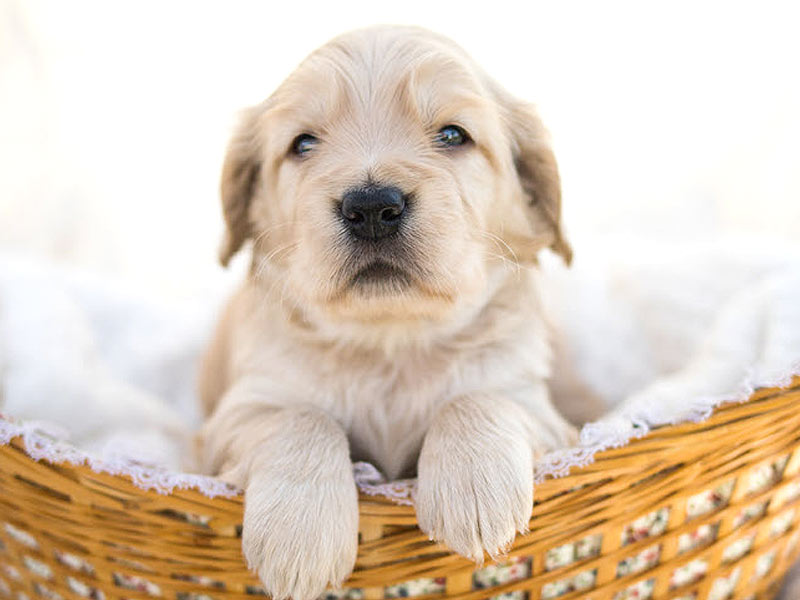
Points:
445	377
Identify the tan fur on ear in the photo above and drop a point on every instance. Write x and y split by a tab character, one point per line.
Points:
538	173
240	172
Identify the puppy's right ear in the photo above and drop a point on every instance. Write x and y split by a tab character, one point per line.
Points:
240	174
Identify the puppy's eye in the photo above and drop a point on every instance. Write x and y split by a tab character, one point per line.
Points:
303	144
451	135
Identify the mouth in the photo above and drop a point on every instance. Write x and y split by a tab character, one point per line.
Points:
382	274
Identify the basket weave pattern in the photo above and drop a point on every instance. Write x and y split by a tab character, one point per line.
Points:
689	512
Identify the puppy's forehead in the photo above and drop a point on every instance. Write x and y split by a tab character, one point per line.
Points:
381	71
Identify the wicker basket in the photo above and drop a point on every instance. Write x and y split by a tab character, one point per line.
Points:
693	511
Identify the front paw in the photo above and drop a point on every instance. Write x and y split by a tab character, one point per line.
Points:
475	493
300	538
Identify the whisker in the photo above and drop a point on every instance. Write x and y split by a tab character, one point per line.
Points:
502	244
279	250
265	262
262	234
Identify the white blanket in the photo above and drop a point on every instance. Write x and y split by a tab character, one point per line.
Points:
95	362
655	334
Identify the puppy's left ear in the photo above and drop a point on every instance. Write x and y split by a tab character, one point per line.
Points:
537	170
240	174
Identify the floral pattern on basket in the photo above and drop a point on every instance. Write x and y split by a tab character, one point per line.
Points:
490	576
187	517
781	523
646	559
738	549
754	511
199	579
256	590
565	555
764	564
710	500
84	590
37	567
788	494
650	525
134	582
416	587
766	475
702	536
192	596
583	581
12	572
518	595
46	593
202	580
689	573
641	590
23	537
512	570
74	562
723	587
343	594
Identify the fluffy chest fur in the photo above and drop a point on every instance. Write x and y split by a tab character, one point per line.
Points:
385	398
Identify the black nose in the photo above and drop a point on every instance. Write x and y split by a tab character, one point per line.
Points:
374	211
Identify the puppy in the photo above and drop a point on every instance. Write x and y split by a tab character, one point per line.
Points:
396	199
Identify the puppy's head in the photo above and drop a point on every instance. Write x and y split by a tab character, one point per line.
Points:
387	181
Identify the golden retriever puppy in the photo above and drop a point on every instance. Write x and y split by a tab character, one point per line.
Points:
396	199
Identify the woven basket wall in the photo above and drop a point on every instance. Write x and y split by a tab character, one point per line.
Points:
697	511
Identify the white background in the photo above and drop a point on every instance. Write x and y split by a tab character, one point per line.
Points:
671	120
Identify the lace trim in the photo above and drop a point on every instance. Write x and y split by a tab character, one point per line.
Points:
44	441
635	421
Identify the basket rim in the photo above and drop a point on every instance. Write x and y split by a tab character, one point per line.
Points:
47	442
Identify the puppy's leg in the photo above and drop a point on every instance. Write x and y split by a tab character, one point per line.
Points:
300	531
475	485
